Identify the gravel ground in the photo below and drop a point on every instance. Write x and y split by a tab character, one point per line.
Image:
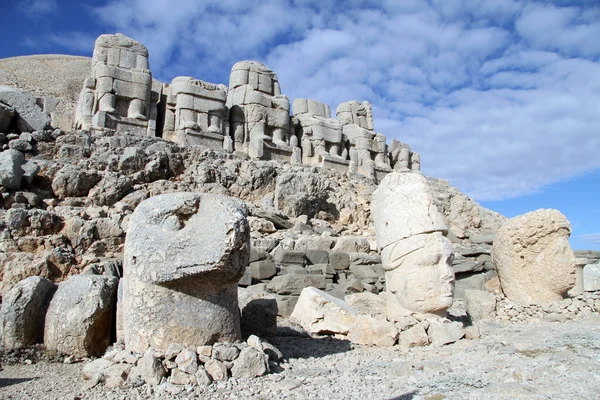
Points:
511	361
48	75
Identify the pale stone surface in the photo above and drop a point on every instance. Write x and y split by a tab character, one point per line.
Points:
591	277
259	113
319	312
24	311
403	206
250	364
30	117
216	369
373	331
480	304
295	283
367	303
172	261
11	168
118	94
415	336
79	319
533	257
416	256
187	361
149	368
97	366
196	113
443	332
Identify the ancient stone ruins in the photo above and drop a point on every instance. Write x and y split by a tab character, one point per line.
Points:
172	231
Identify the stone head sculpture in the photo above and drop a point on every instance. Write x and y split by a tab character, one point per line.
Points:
184	254
416	256
534	260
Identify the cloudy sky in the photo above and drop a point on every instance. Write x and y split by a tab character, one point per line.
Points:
502	98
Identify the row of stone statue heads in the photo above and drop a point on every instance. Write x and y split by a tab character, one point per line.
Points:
250	117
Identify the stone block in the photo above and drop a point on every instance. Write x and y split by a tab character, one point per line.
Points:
591	277
263	269
294	284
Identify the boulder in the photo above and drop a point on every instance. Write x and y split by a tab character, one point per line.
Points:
533	257
11	171
30	117
24	311
319	312
80	316
173	262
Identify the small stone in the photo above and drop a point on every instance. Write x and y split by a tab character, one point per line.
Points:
216	369
187	361
251	363
95	367
202	377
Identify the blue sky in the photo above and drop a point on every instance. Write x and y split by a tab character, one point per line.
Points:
502	98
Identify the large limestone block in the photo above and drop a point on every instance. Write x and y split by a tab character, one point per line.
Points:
533	257
30	117
11	171
405	198
591	277
295	283
79	319
24	311
184	252
319	312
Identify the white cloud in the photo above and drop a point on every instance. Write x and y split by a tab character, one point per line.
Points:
38	8
501	98
77	42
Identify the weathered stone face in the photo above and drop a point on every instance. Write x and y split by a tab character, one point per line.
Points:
533	257
184	254
423	281
415	254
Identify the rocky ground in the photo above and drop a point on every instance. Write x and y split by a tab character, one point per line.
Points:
545	360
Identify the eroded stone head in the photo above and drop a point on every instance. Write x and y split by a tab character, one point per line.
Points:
416	256
533	257
182	235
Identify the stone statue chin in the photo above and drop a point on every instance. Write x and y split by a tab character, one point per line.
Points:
419	275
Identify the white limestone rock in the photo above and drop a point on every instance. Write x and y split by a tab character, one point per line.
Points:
591	277
319	312
374	331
